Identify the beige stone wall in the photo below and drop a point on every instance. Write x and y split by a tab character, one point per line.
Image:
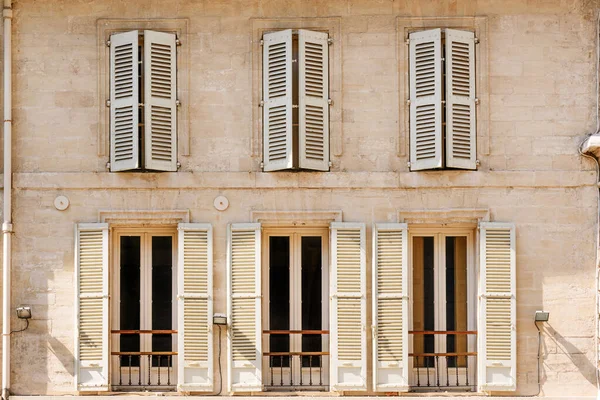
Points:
542	91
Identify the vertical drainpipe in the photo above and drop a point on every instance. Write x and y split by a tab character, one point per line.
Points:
7	212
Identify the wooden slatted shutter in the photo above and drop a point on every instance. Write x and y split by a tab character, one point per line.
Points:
497	358
348	307
460	100
313	90
425	74
244	308
277	92
124	101
160	101
91	337
195	308
390	307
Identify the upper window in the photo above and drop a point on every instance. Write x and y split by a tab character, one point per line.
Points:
143	101
295	100
442	99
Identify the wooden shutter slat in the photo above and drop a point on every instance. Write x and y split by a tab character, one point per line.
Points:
244	308
497	319
425	81
348	307
91	340
390	307
277	107
460	100
160	101
313	88
195	308
124	101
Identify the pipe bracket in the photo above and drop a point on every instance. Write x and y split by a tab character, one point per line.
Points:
7	13
7	227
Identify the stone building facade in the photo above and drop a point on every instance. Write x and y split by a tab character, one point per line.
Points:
524	195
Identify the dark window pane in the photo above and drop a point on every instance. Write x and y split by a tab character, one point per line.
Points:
424	297
279	296
456	296
311	254
129	306
162	295
429	297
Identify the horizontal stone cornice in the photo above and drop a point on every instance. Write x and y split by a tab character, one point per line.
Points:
304	180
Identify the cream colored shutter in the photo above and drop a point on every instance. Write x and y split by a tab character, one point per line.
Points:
160	101
277	92
91	336
425	73
124	101
460	100
313	90
497	335
195	308
390	308
243	308
348	307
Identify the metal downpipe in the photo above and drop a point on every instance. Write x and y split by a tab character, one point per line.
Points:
7	192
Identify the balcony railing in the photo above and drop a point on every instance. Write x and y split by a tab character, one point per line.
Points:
454	369
144	370
297	370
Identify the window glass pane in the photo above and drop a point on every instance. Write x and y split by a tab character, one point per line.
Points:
456	296
423	298
312	299
279	297
162	296
129	307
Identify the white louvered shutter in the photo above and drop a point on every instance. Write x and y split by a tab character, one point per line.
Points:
497	358
460	100
160	101
313	92
277	98
91	337
195	308
390	307
348	307
244	308
124	101
425	73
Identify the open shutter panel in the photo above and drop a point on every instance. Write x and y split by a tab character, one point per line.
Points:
497	320
91	340
124	101
160	101
277	92
460	100
425	73
313	89
243	308
390	308
195	308
348	307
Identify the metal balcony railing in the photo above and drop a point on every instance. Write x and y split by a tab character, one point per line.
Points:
437	371
144	370
297	370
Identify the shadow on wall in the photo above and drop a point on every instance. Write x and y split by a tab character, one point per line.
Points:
63	354
577	356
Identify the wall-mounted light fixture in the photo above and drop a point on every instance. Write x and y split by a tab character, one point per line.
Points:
23	312
220	319
542	316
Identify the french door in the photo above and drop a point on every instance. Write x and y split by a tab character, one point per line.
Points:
296	308
443	308
143	308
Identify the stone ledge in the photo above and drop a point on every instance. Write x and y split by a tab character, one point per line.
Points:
280	396
305	180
